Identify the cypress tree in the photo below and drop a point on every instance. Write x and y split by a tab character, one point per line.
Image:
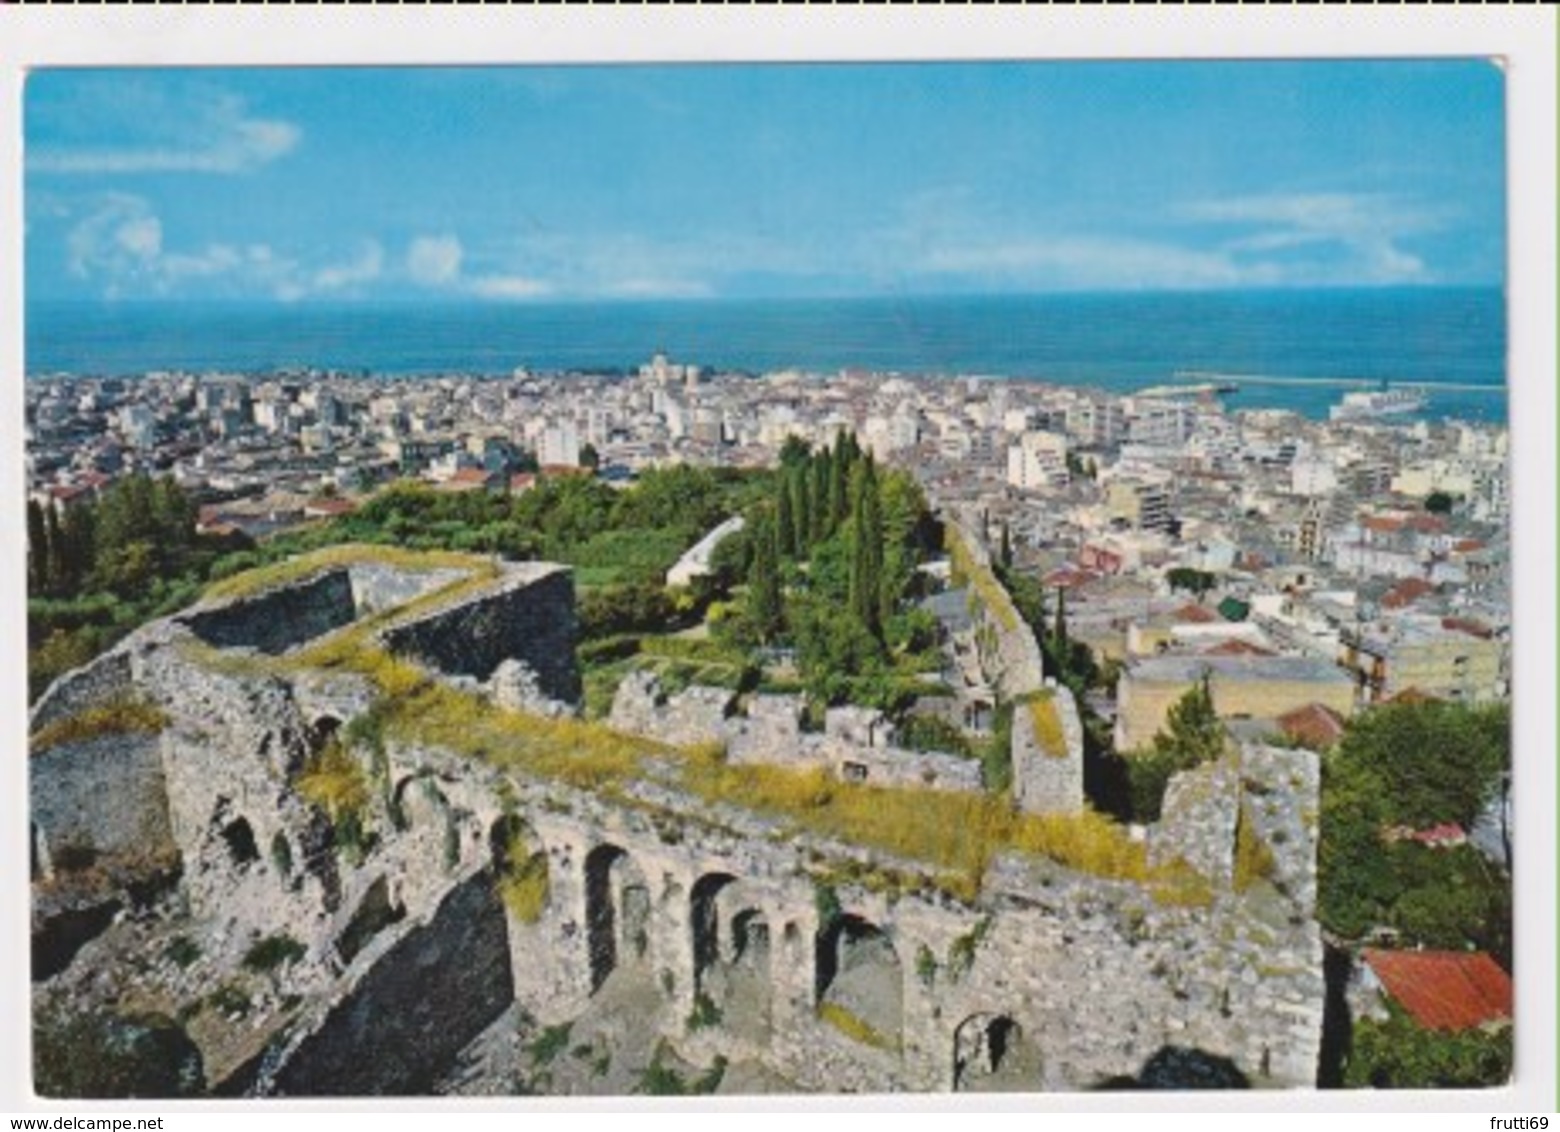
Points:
1005	555
37	549
818	488
785	525
764	601
801	518
866	560
839	500
58	568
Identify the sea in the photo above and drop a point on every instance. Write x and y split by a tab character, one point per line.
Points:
1120	342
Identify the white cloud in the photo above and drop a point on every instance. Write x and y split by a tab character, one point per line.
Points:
365	268
118	244
1350	237
434	261
509	287
211	134
1082	262
119	236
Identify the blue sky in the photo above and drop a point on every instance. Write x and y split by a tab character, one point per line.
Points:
592	183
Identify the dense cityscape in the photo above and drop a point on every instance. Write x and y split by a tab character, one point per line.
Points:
1195	575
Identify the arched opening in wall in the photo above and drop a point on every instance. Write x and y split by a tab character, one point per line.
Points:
323	730
990	1054
704	920
617	913
731	962
748	990
239	837
860	982
520	869
375	912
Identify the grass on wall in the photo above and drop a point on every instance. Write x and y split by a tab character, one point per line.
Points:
124	715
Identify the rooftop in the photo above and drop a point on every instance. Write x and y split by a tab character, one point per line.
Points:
1187	669
1444	990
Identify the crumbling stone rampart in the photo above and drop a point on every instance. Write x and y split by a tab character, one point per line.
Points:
405	1014
106	796
278	619
528	616
1048	980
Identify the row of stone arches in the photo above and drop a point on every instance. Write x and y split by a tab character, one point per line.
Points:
857	971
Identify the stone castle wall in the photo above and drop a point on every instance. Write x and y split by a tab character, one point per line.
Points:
108	677
277	619
1047	781
105	796
410	953
528	617
410	1007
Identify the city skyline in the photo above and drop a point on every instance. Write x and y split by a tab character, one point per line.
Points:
745	181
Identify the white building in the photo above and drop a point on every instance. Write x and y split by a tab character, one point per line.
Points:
560	446
1038	461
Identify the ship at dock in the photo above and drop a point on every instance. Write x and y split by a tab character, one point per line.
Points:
1379	404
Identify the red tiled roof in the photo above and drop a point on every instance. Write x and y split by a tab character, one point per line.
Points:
1427	524
1383	523
1406	592
1068	578
1466	625
1444	990
1315	725
1235	647
327	506
1195	615
1464	545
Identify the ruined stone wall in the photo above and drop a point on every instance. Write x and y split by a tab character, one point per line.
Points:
104	795
1100	978
413	1004
278	619
376	587
1010	655
413	953
1047	781
106	678
692	717
528	617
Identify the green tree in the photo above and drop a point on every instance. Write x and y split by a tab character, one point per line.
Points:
794	453
866	563
38	573
819	512
785	523
801	519
764	602
589	457
1400	1054
1194	582
1193	733
1439	503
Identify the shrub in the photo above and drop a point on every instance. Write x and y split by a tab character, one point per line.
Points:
705	1013
549	1043
1048	726
181	951
524	884
272	952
